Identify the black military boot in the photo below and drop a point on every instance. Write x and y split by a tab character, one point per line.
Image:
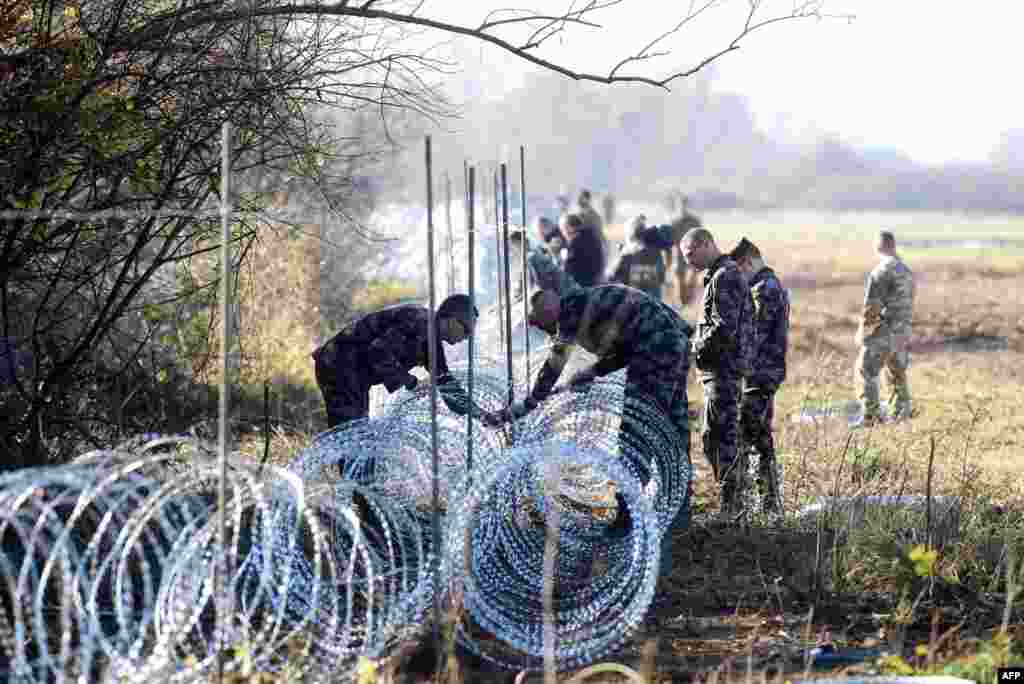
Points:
731	497
768	486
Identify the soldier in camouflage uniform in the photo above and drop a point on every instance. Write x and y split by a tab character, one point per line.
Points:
771	339
381	347
624	328
722	347
885	331
639	264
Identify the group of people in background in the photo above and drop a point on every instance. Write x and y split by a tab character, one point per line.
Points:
739	344
579	243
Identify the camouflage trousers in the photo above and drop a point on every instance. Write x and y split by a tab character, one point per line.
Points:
757	410
872	359
660	378
720	434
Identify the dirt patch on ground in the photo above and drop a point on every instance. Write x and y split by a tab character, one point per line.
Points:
958	344
812	281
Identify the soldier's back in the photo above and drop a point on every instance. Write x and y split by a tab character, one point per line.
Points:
370	326
898	290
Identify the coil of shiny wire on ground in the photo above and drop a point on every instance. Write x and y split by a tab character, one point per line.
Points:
85	548
607	557
652	449
112	557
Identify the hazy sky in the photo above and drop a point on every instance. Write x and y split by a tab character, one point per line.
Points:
937	79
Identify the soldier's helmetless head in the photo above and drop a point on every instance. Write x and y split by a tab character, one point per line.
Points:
886	243
584	198
456	318
545	308
698	248
571	224
747	256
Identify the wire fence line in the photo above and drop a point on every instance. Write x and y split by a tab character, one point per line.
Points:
175	558
109	561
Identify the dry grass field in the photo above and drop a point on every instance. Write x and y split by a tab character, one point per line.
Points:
753	598
737	590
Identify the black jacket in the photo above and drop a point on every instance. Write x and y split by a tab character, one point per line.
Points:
585	260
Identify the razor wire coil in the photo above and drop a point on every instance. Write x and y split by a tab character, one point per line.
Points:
108	562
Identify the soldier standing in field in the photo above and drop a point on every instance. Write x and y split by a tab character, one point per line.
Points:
771	339
669	238
380	348
639	264
592	221
722	347
885	331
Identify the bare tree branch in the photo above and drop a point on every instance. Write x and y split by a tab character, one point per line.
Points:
809	9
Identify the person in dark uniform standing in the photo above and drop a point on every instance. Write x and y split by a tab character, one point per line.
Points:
771	340
584	259
722	348
639	264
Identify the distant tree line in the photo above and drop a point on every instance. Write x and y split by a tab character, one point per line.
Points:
643	143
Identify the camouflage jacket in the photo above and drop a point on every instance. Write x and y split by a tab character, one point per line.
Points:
615	323
388	344
725	335
639	266
771	329
888	302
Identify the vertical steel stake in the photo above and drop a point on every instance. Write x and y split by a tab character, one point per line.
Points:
451	242
470	241
221	570
526	275
432	343
499	281
508	284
